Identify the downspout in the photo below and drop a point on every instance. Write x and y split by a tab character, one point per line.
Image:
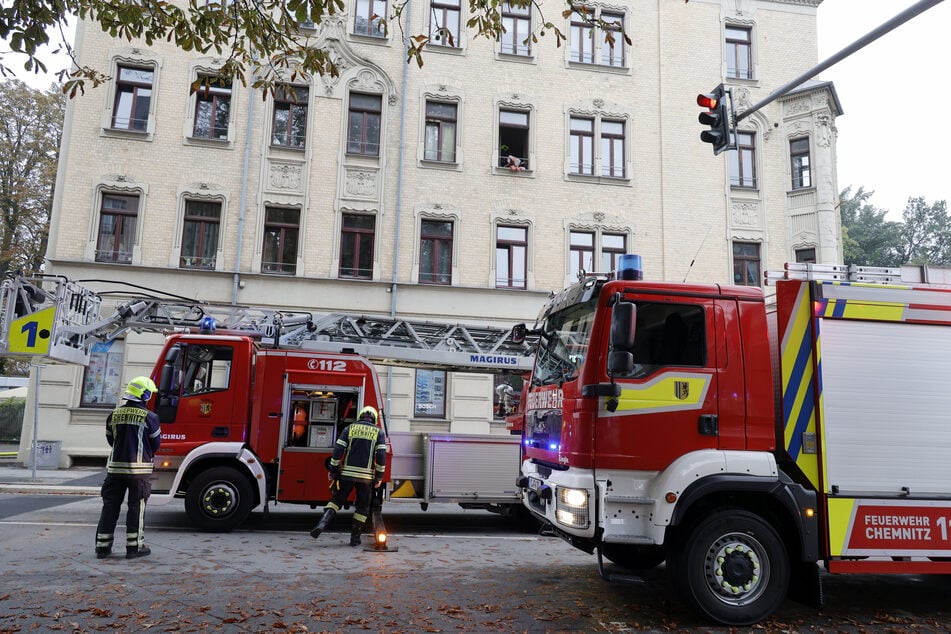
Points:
399	202
244	198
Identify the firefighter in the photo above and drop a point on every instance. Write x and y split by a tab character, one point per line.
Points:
134	434
358	462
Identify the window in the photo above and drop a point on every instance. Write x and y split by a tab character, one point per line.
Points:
200	234
356	246
370	18
440	139
613	245
806	255
597	37
435	252
739	52
612	157
430	400
281	229
746	264
583	251
117	221
743	161
513	139
507	393
511	256
799	159
363	127
612	48
207	369
517	26
212	109
133	98
668	334
444	23
582	146
289	127
612	149
102	378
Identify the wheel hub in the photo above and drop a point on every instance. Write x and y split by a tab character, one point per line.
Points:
219	500
734	569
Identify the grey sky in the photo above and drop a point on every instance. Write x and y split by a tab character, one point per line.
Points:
895	135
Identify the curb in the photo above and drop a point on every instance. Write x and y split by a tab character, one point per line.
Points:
33	489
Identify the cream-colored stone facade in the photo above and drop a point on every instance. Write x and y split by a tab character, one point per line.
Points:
668	196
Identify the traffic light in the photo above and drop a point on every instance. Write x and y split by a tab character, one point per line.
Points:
717	117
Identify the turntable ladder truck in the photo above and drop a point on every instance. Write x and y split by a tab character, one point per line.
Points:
251	400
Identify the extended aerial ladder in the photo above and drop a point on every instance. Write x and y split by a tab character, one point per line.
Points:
59	319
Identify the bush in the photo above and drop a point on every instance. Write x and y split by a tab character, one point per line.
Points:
11	418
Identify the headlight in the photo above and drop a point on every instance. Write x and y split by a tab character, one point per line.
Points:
574	497
571	507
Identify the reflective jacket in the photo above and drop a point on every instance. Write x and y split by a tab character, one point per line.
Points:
134	434
360	452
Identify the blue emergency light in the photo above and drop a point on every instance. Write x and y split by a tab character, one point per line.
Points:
630	267
208	325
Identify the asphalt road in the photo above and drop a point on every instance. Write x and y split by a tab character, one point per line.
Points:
454	571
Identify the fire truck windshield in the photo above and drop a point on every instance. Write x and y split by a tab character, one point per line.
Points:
563	343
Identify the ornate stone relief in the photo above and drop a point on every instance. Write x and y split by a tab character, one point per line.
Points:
824	128
361	183
745	214
285	176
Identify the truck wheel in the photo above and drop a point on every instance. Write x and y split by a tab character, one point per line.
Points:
732	568
634	557
219	499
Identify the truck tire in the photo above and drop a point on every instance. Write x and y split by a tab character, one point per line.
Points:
732	568
219	499
634	557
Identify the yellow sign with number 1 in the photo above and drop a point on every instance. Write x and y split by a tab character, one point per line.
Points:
32	334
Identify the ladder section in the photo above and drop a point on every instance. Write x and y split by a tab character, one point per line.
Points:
423	344
53	317
836	273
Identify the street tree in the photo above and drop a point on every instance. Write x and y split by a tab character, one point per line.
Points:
31	125
867	237
260	39
925	234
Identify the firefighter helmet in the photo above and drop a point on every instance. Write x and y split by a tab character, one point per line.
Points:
141	388
368	413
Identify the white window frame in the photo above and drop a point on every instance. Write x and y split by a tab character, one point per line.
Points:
595	10
135	58
198	70
202	192
599	114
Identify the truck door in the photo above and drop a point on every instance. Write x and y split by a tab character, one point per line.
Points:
199	394
314	417
668	404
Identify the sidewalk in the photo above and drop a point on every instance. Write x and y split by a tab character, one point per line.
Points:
15	477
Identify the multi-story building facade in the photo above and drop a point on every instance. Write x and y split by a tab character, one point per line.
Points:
465	190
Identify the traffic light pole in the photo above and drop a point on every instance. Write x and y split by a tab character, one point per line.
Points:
898	20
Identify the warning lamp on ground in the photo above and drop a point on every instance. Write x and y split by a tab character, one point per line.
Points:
717	117
381	541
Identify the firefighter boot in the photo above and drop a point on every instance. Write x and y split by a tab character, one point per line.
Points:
323	523
355	531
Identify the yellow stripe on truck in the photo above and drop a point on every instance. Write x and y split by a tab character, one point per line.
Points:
669	392
841	511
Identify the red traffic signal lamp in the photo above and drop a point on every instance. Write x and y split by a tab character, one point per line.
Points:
717	117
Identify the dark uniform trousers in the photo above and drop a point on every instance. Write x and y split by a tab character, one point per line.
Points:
114	490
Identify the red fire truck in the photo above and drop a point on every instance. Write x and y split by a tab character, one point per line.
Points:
251	400
741	442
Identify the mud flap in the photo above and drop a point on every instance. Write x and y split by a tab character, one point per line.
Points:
805	586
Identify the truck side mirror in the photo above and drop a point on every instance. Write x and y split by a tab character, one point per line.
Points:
518	333
623	320
620	362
